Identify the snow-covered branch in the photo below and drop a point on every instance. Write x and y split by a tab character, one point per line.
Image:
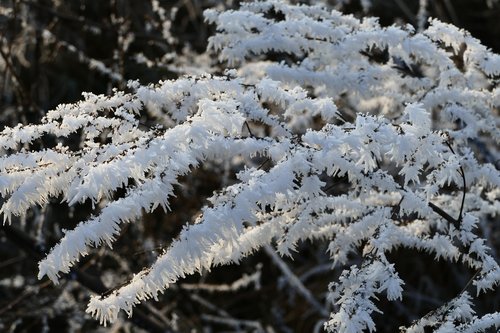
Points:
368	134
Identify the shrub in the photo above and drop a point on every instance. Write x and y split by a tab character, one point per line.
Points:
372	139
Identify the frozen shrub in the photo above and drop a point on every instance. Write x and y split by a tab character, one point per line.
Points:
407	122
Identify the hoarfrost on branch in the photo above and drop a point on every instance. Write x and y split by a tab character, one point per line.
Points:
396	115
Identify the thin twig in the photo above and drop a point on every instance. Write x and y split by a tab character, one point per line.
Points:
326	190
295	281
264	163
249	130
444	215
236	323
242	282
470	281
462	173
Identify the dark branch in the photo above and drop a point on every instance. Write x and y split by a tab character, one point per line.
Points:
444	215
462	173
249	130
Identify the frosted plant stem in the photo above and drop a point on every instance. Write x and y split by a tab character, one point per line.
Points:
294	281
236	323
422	15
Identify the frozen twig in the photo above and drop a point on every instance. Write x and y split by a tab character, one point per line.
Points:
295	282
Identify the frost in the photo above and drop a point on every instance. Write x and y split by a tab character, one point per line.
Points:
394	133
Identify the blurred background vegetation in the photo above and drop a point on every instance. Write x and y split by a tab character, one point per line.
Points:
51	51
